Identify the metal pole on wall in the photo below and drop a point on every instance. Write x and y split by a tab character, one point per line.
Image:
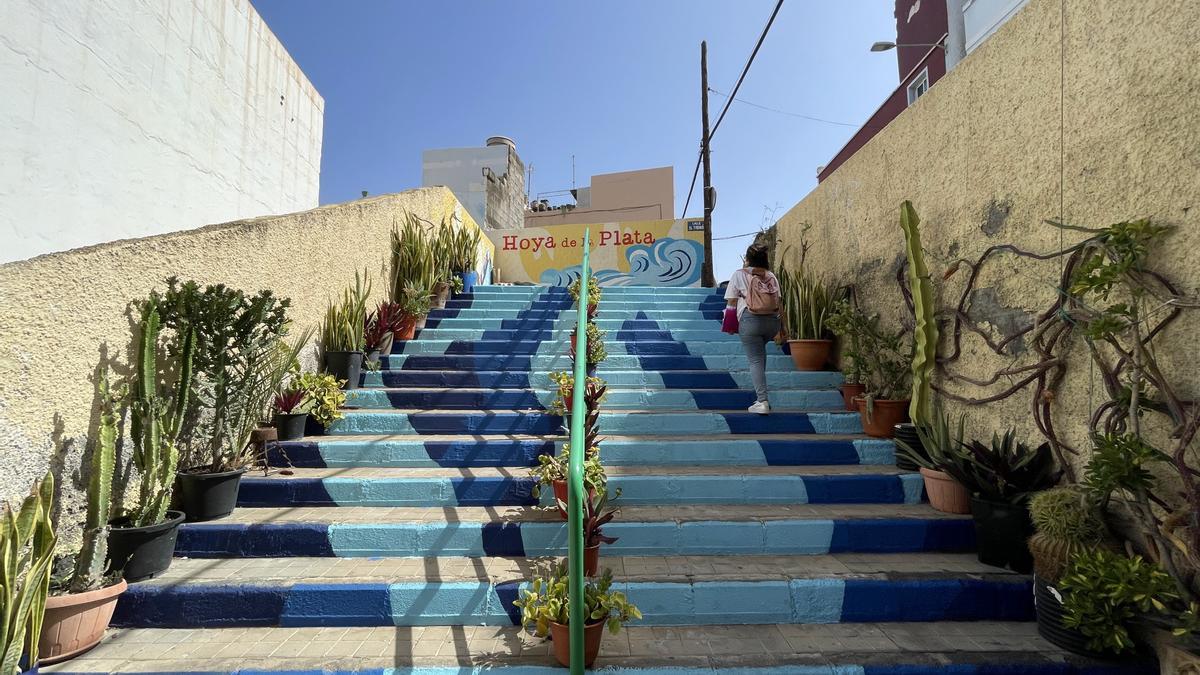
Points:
706	271
956	34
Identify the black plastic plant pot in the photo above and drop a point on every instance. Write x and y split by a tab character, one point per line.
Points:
290	426
345	366
208	496
1050	613
312	427
907	432
142	552
1002	532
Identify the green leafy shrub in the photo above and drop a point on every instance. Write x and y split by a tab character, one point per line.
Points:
594	290
323	396
1104	592
553	468
547	601
881	357
595	391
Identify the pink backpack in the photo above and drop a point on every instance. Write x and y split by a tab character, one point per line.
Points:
762	294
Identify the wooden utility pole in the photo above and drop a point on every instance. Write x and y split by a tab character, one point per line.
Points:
706	271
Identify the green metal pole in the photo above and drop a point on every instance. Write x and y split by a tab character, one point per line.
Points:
575	489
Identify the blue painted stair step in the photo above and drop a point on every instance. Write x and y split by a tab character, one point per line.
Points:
666	379
566	323
349	451
724	488
613	422
528	347
617	399
456	603
807	536
776	363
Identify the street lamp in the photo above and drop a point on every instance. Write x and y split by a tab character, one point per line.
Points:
884	46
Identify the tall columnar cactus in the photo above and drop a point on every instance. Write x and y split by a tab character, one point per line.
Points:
155	422
26	553
89	564
925	336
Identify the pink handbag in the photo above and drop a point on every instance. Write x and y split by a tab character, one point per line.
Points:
729	323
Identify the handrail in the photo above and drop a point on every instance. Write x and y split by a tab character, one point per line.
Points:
575	488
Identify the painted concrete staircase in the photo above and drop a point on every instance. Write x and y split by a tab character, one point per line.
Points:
788	543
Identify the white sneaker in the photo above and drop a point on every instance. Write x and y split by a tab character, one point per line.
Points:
761	407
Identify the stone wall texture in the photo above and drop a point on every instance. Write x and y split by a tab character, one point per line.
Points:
66	312
126	118
1095	119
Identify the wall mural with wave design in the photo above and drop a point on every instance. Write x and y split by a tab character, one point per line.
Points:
646	253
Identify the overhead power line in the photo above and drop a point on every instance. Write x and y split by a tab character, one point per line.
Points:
729	101
783	112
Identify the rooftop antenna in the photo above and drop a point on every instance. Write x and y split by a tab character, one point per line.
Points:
529	182
572	171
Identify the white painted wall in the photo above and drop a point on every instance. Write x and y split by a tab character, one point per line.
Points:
126	118
983	17
461	170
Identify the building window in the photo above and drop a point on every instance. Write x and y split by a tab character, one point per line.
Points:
918	86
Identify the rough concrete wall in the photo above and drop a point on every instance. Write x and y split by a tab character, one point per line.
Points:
994	148
126	118
506	197
64	312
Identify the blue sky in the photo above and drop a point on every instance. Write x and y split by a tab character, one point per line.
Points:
614	82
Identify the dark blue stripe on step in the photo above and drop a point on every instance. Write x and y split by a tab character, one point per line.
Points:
199	606
265	540
632	335
672	363
503	539
880	600
698	380
493	347
723	400
854	489
443	314
778	423
808	453
485	423
494	491
460	399
902	535
455	378
656	348
300	454
467	362
508	594
488	453
283	492
338	605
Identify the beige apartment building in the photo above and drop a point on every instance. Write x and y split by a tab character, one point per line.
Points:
646	194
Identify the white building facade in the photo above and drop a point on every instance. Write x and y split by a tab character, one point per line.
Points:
127	118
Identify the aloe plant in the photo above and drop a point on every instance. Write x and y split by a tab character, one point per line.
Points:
925	335
27	543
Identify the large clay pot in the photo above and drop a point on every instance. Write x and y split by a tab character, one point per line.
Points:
76	622
560	495
810	354
851	391
884	416
408	328
946	494
560	635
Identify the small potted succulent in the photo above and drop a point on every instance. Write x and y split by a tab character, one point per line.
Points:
413	308
596	514
324	397
595	393
938	440
291	413
596	351
806	305
594	294
83	594
379	330
544	609
884	368
342	339
1001	477
552	471
1067	523
27	541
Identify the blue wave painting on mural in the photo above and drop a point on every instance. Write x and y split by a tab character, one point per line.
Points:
666	262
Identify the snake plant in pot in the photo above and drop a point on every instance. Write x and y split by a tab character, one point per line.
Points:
83	594
806	305
544	608
464	257
884	368
342	339
938	441
27	543
241	359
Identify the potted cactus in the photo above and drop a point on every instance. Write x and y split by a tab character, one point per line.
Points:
82	601
1067	522
925	333
544	608
141	541
27	543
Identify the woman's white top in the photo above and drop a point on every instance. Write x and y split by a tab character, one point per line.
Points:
738	288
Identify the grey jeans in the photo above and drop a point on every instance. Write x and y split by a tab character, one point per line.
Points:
755	330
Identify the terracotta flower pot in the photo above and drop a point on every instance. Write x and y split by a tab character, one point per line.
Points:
851	391
76	622
592	309
408	328
560	635
441	295
568	400
884	416
946	494
560	494
591	560
810	354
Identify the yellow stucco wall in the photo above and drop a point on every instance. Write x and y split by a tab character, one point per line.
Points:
62	312
988	153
